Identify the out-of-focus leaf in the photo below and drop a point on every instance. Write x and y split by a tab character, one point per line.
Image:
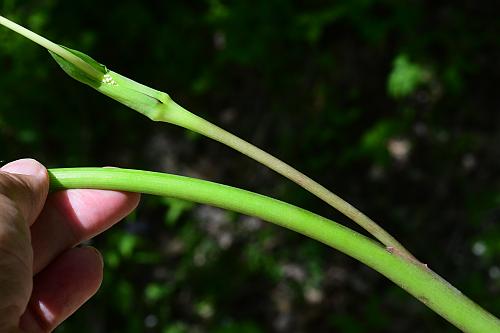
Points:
405	77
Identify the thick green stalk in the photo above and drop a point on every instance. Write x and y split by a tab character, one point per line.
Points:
415	278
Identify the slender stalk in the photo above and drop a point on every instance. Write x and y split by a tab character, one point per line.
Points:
51	46
159	107
173	113
416	279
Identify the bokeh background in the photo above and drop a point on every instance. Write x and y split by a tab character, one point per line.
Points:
392	104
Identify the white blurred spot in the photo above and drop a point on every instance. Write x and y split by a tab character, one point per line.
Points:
313	295
399	148
225	240
479	248
294	272
205	310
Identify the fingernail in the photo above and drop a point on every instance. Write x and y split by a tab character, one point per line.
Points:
96	251
25	166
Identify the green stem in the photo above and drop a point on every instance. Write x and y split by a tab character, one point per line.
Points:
417	279
159	107
51	46
173	113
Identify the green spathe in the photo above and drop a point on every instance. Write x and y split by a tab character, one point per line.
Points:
76	72
124	90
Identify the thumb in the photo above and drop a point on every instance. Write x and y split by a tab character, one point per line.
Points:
26	183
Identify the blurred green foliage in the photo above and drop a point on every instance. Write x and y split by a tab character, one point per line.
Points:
391	104
405	77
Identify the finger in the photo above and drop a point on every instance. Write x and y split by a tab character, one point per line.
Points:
23	188
72	216
61	288
26	182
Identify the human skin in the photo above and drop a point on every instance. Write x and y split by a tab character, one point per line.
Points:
44	278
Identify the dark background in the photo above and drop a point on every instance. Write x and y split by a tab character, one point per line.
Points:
392	104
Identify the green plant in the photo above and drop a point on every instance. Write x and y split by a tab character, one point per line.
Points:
393	261
158	106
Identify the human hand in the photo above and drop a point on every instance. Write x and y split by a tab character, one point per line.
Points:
43	277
